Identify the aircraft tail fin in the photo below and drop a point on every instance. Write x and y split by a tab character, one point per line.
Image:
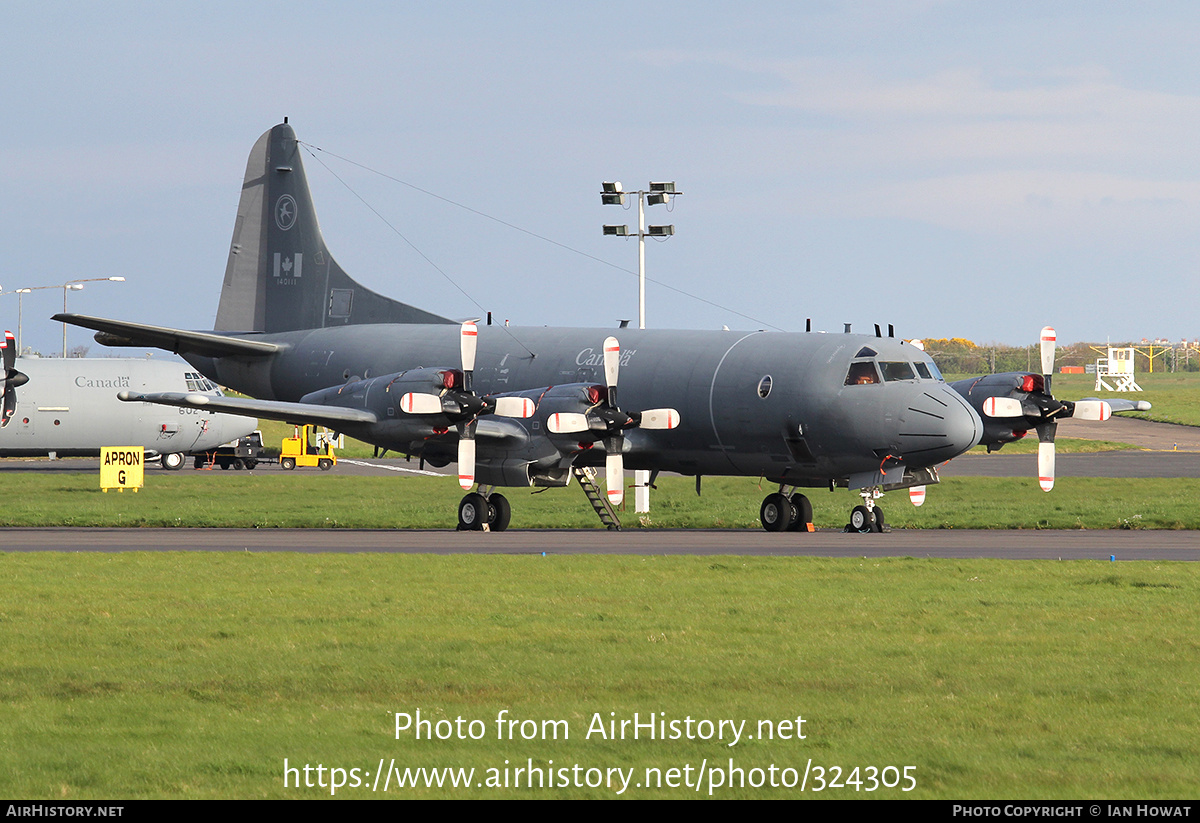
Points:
280	276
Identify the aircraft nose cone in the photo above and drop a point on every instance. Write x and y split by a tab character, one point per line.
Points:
939	426
963	426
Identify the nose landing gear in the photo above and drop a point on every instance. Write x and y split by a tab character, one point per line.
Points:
868	517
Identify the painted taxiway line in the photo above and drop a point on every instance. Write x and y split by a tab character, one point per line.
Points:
365	464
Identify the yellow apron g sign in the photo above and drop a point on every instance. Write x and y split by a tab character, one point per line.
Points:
121	467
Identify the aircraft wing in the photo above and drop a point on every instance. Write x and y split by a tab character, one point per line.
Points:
208	344
331	416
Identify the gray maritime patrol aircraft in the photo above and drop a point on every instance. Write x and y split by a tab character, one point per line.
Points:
535	406
69	408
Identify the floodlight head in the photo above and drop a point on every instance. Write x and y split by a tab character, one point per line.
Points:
612	188
619	231
660	231
612	199
669	188
656	199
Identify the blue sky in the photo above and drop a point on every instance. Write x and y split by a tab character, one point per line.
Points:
964	169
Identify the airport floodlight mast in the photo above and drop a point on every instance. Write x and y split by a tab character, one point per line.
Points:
20	293
69	286
657	195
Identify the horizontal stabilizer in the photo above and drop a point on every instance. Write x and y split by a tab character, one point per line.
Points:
207	344
332	416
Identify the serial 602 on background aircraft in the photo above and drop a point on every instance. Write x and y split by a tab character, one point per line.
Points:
534	406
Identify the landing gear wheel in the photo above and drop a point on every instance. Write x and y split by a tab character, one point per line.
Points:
288	463
172	462
776	512
861	520
472	512
801	513
324	464
499	512
880	526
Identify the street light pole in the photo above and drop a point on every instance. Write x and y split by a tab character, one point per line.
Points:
66	288
77	285
659	193
20	307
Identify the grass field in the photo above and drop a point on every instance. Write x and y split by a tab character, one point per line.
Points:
191	675
277	499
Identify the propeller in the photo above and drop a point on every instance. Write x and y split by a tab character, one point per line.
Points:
606	416
11	379
1039	408
458	399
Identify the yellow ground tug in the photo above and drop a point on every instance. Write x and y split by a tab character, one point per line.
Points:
311	446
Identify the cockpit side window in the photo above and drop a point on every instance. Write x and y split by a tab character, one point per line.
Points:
923	370
898	370
862	373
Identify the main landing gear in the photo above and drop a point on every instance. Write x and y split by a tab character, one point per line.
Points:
786	510
868	517
484	510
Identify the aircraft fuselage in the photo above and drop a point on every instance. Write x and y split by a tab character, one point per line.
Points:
70	407
751	403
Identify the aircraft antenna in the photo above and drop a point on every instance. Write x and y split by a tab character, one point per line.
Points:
413	246
313	149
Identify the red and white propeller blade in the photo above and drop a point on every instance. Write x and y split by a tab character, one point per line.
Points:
567	423
614	468
916	494
418	403
468	336
1002	407
612	363
1049	341
1092	410
466	460
515	407
1046	465
659	419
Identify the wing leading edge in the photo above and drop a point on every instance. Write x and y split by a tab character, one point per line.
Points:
207	344
332	416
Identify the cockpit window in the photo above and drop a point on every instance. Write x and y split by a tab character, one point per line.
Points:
866	351
898	370
861	374
923	370
937	373
199	383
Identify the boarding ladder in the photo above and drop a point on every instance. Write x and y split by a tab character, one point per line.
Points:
596	496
